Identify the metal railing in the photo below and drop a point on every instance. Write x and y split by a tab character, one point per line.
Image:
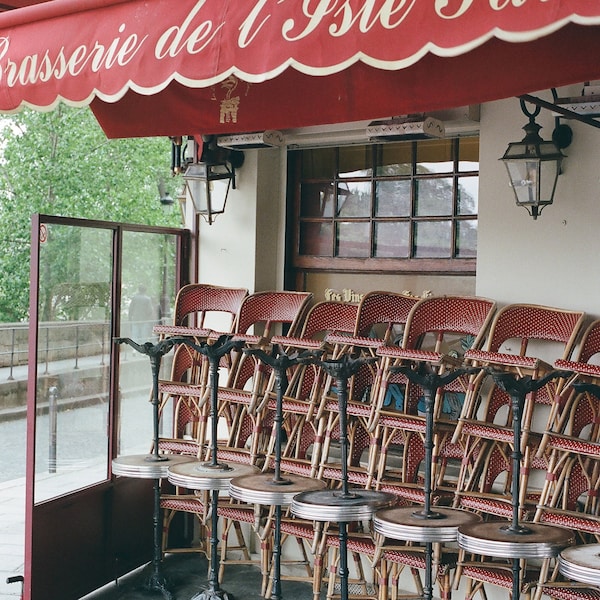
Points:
69	340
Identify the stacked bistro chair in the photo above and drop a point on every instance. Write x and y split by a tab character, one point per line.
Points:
571	491
434	326
301	447
380	320
446	325
264	310
486	418
197	306
248	420
486	434
473	314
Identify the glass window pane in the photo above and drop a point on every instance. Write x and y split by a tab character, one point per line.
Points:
147	298
353	239
316	239
74	334
394	159
393	198
356	161
466	245
354	199
468	154
468	195
317	200
434	197
318	163
435	156
433	239
392	240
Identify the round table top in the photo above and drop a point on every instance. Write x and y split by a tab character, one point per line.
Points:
411	524
146	466
202	475
581	563
332	505
263	489
494	539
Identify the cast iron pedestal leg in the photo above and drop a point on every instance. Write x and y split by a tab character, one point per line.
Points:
342	370
280	363
429	382
518	388
156	581
214	352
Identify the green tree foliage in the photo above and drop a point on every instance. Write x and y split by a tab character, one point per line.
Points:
61	163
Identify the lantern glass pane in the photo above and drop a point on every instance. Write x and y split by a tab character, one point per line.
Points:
523	178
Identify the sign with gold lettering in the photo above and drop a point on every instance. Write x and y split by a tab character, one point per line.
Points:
76	51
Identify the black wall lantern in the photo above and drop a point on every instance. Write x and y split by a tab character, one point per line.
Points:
209	174
533	166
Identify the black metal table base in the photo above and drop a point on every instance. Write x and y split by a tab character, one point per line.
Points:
155	352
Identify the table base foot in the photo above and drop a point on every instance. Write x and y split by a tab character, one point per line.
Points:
157	583
211	593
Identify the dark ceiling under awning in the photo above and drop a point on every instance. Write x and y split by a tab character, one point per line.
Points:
155	67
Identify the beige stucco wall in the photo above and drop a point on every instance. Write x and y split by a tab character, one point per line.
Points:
245	245
554	259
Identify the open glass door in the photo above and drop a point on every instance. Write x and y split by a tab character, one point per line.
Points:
88	399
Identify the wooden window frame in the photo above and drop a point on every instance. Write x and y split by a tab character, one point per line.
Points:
442	266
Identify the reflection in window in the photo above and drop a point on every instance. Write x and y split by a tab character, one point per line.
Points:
393	198
433	239
403	200
353	239
354	199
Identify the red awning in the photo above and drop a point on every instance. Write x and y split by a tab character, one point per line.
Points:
157	67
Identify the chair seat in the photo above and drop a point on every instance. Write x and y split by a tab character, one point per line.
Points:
296	342
578	367
411	354
178	446
575	445
402	421
363	342
569	591
508	360
183	502
584	523
499	575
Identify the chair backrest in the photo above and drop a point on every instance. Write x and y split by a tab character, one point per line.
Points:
329	317
570	497
462	315
590	343
272	307
527	322
389	308
196	300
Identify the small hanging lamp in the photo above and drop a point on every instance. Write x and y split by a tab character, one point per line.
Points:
533	166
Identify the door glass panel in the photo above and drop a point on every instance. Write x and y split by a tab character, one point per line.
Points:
466	246
315	239
75	273
318	199
147	298
394	159
355	161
